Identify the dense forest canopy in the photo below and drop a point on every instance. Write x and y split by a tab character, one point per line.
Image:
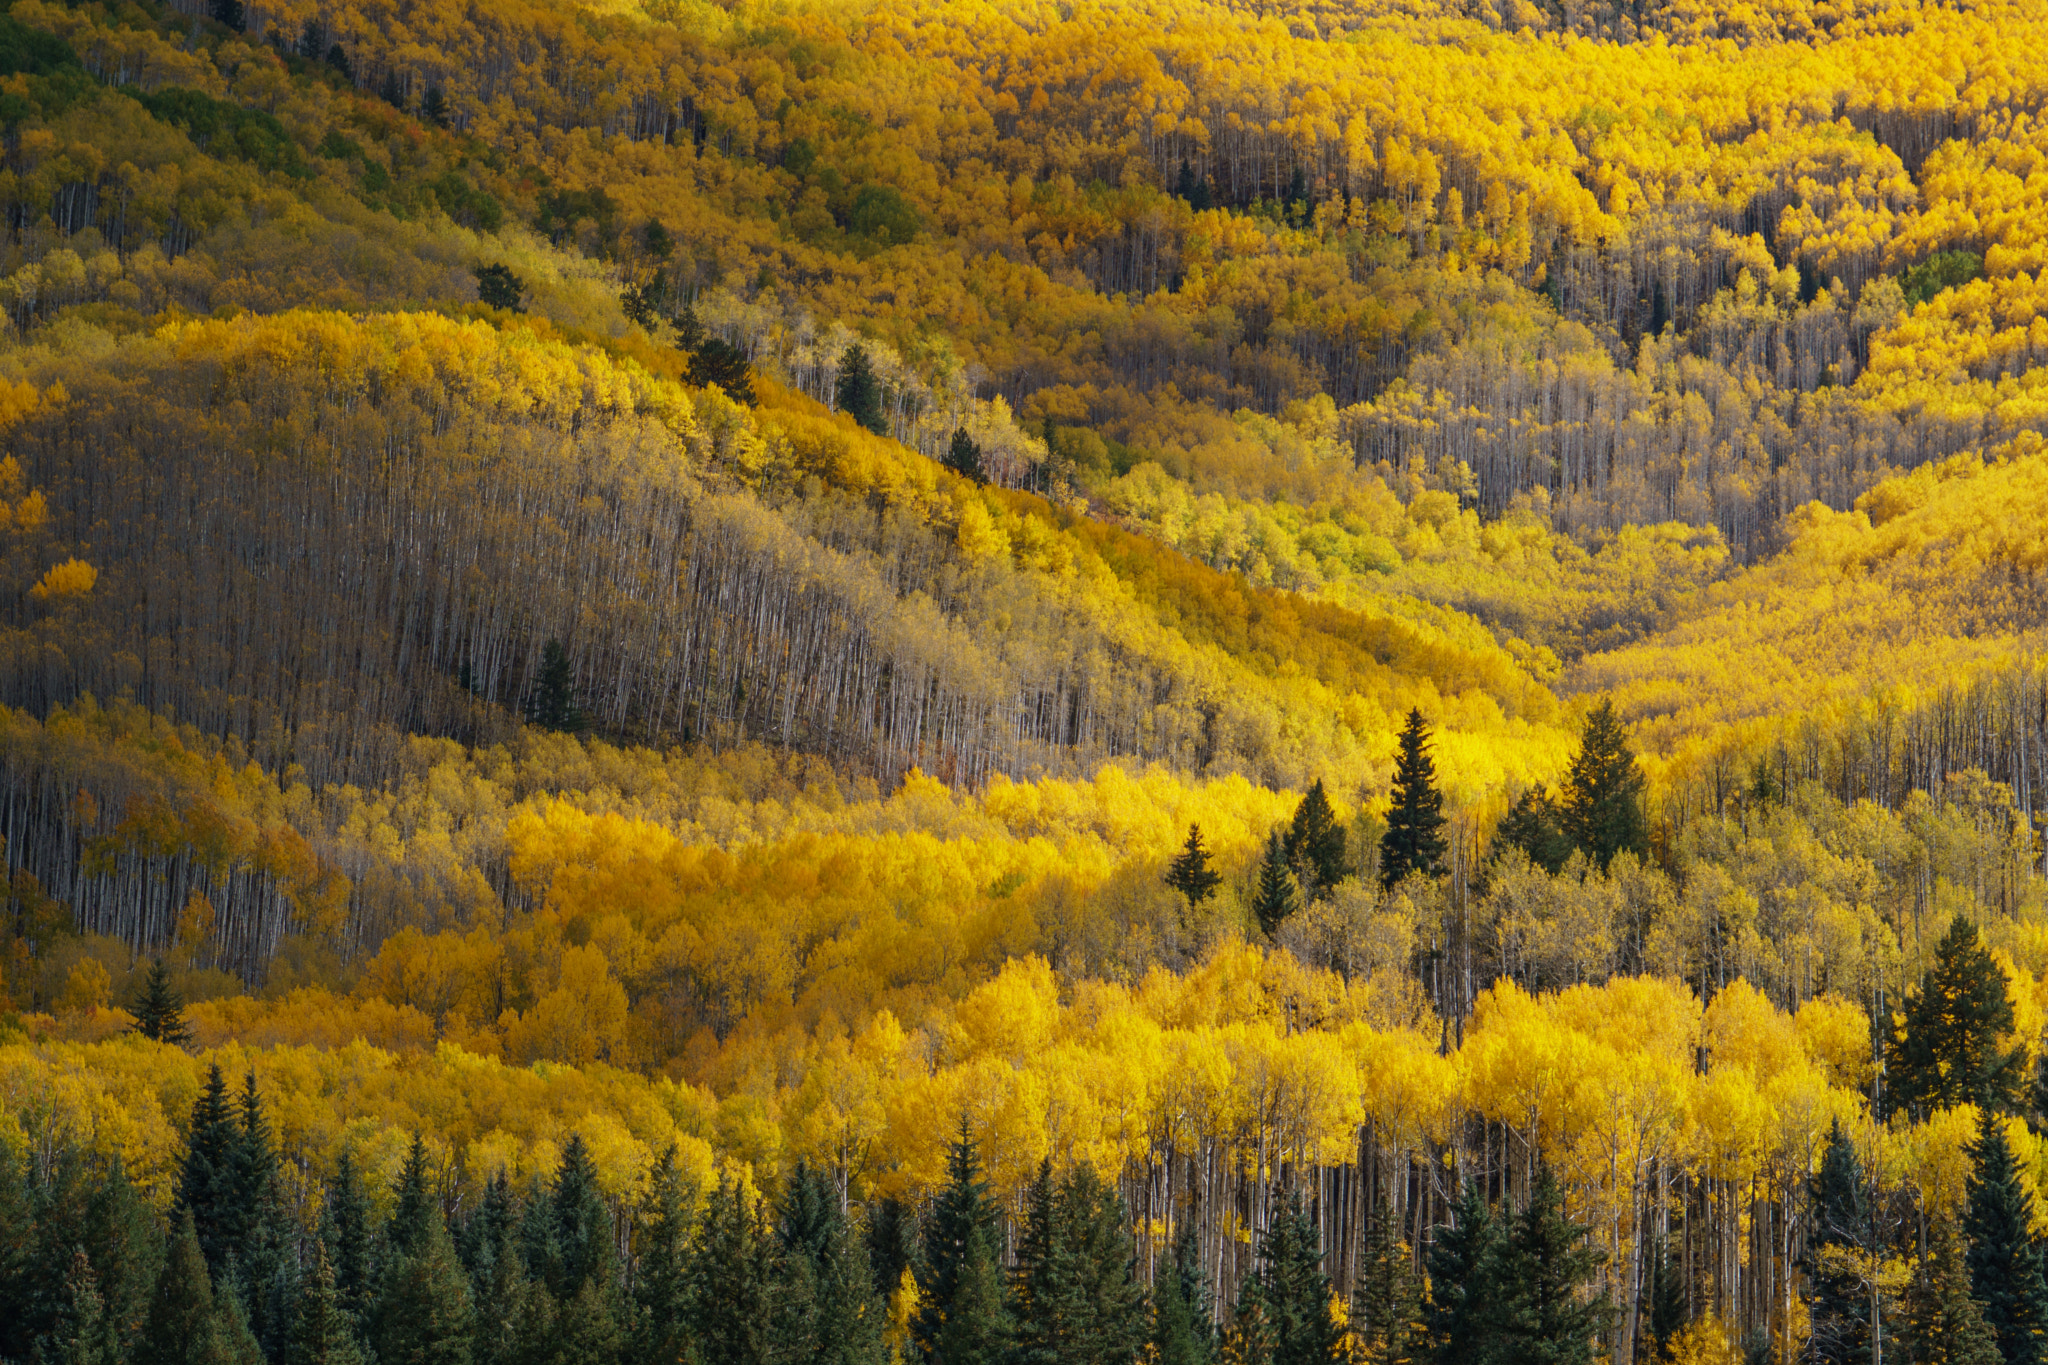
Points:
950	683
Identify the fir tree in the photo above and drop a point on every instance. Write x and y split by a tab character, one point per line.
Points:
963	456
1190	874
267	1235
514	1315
892	1244
587	1326
1947	1053
959	1275
180	1329
498	287
1542	1264
1386	1304
209	1187
1942	1324
1043	1279
1602	807
434	107
1457	1315
732	1279
1288	1295
583	1226
719	362
1108	1301
423	1312
1414	841
857	392
160	1014
1274	897
323	1333
345	1230
1664	1300
234	1342
80	1336
1532	826
126	1250
1839	1304
1315	843
1182	1333
661	1288
828	1297
553	705
413	1211
17	1247
228	12
2004	1260
975	1329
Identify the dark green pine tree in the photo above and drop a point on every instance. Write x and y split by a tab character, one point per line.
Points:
1414	841
858	393
1602	807
1288	1296
180	1327
583	1226
963	457
892	1244
1838	1301
716	361
209	1181
414	1211
159	1013
434	107
345	1230
1274	895
1942	1324
1543	1264
587	1326
1946	1050
1042	1284
1108	1300
17	1250
234	1342
1664	1300
1315	843
960	1299
498	287
732	1281
826	1291
661	1288
553	704
1532	826
514	1316
2004	1260
126	1249
1386	1303
322	1332
423	1310
80	1336
58	1209
227	12
268	1251
1190	874
1182	1330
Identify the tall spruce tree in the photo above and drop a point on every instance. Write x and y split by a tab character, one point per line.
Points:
827	1297
961	1303
1414	840
661	1288
17	1249
507	1301
1542	1265
963	457
1532	825
180	1329
209	1181
583	1226
1274	895
553	705
1664	1301
423	1310
1190	874
345	1230
2004	1260
322	1333
80	1335
1463	1259
414	1213
159	1012
1182	1330
1838	1257
892	1239
858	393
126	1249
732	1281
1942	1324
1288	1295
234	1341
1386	1302
1315	844
267	1252
1602	807
1947	1050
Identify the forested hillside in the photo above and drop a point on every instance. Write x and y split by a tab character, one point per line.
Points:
922	682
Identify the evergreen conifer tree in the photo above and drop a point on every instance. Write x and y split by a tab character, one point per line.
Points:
1289	1295
1315	844
661	1289
209	1182
1182	1333
1532	826
1541	1265
159	1013
1836	1250
1386	1304
228	12
583	1227
892	1239
1942	1324
323	1333
587	1326
80	1336
1109	1299
233	1341
497	286
717	361
1274	897
180	1328
266	1252
512	1313
1463	1256
553	705
345	1229
126	1249
1044	1279
732	1281
1190	874
413	1212
1602	807
963	456
960	1279
434	107
17	1248
1947	1051
2004	1260
423	1310
828	1297
1665	1300
1414	841
858	393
